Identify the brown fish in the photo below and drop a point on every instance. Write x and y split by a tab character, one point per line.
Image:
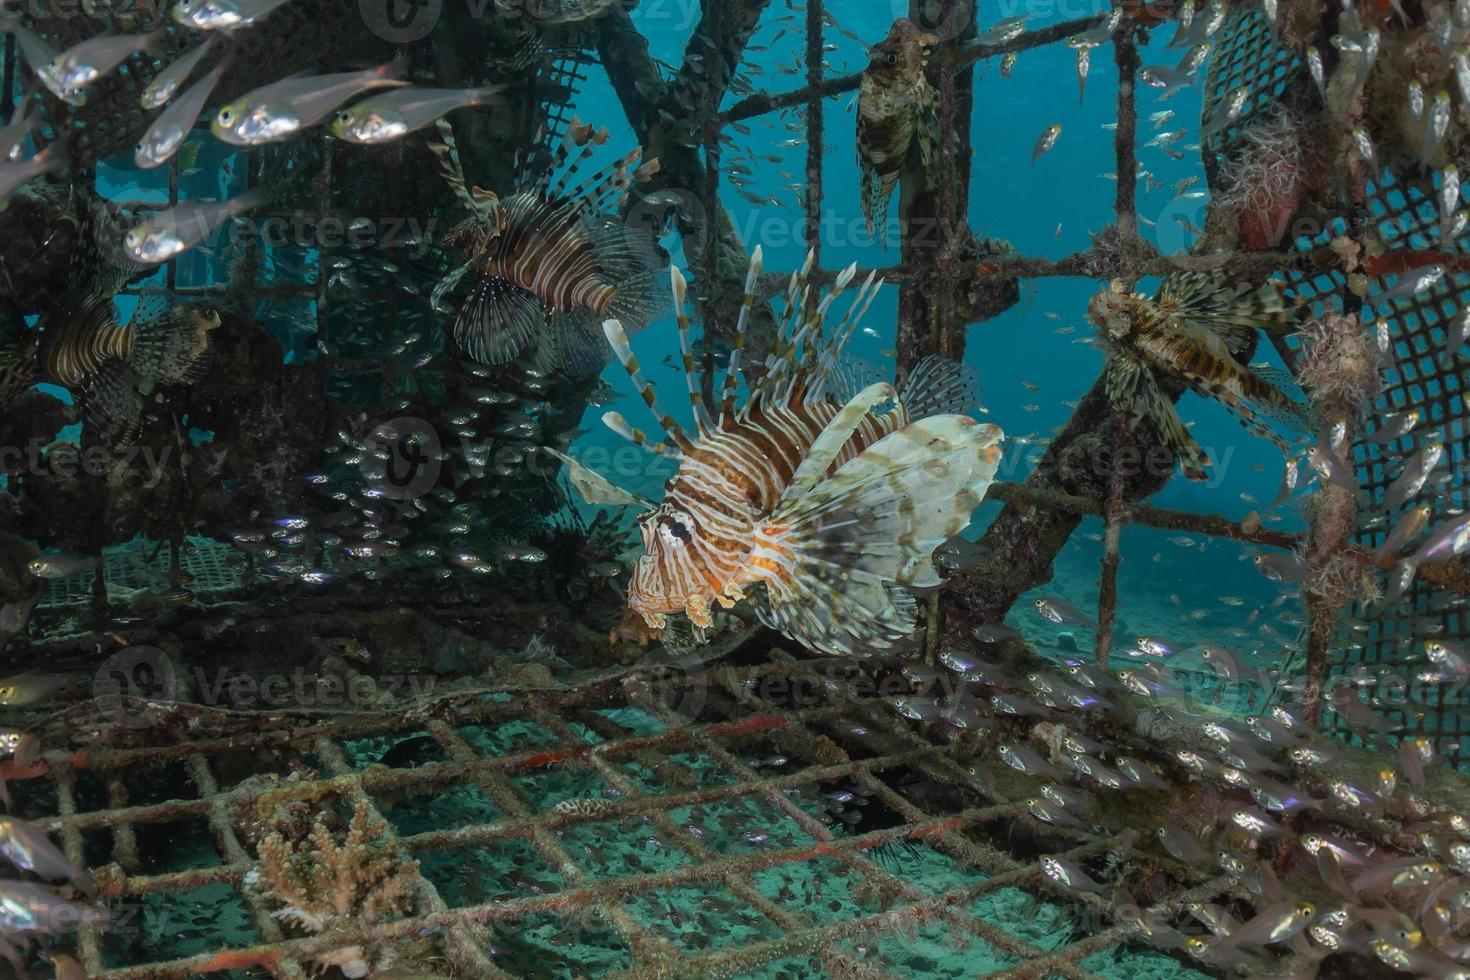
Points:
896	110
1195	329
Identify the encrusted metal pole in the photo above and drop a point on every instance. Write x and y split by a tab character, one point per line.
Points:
1125	54
815	129
928	319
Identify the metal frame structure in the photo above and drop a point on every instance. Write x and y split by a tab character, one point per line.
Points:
835	734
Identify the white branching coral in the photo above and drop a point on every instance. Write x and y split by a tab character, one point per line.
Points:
322	884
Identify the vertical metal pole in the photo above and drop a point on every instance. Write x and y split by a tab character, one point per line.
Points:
814	127
1125	54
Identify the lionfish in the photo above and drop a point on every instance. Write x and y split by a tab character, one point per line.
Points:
109	366
834	505
1196	328
551	260
896	109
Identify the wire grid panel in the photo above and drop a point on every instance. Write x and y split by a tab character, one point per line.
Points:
1419	375
1247	57
614	835
139	566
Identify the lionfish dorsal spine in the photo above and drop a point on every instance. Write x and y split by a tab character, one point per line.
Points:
702	421
616	423
742	327
617	337
481	204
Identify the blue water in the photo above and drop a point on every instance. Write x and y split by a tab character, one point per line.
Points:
1046	210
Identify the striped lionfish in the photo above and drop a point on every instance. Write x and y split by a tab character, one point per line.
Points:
1195	329
896	108
551	261
835	506
108	366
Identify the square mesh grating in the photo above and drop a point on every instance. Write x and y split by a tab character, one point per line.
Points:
601	831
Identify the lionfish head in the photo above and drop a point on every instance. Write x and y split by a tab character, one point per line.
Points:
1111	311
903	53
672	569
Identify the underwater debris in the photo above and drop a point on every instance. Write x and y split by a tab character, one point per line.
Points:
896	113
321	883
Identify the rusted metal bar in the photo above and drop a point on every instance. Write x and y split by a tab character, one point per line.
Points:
815	128
762	103
1125	56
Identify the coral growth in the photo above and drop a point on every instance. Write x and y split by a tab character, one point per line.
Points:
1342	580
1340	362
1270	179
322	884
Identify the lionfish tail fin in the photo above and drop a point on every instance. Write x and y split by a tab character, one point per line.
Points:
110	408
498	320
170	348
837	559
940	386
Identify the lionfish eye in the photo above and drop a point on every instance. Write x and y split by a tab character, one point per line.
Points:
679	530
892	60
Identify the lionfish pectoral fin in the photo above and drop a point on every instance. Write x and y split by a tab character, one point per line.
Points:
578	349
498	320
829	443
596	489
837	560
110	407
169	348
940	386
1131	388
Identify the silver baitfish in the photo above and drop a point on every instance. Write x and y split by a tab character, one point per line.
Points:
164	234
393	115
282	109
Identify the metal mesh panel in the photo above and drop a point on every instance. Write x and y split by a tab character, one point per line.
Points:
1246	56
211	566
597	810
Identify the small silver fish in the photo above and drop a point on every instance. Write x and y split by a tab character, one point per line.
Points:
1278	567
1404	532
12	175
1395	426
1045	141
392	115
282	109
31	907
168	82
1364	145
1024	760
27	847
1408	484
1062	612
70	73
1070	875
173	125
222	15
1413	283
26	689
164	234
59	566
1449	201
